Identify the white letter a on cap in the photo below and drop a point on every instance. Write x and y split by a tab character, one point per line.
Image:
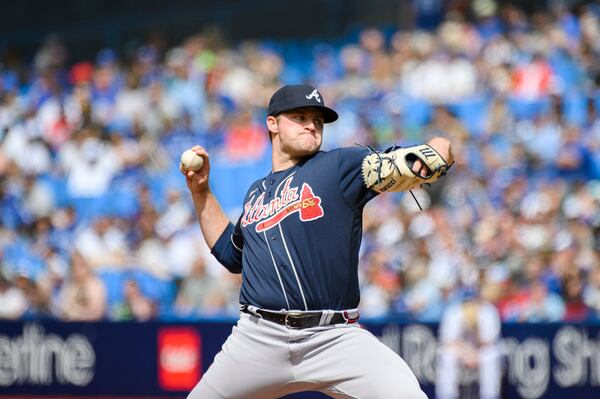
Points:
314	94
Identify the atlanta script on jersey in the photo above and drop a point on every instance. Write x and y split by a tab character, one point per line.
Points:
291	242
286	202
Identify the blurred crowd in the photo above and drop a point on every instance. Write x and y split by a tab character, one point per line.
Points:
96	222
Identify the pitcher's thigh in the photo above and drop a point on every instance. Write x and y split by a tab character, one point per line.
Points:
360	366
246	368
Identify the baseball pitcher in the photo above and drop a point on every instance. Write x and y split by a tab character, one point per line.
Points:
296	245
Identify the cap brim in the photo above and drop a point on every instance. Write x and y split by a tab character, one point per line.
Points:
329	115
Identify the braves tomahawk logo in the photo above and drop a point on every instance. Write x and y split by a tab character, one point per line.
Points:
286	203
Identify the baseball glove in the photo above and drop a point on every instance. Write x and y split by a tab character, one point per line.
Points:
391	170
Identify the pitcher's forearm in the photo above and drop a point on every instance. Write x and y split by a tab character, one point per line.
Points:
211	217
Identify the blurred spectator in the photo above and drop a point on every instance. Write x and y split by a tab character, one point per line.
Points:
135	305
380	284
245	139
38	198
37	302
52	279
12	301
536	304
176	216
83	297
150	252
102	244
469	351
532	79
64	223
574	159
421	294
195	289
224	298
185	87
575	307
591	293
90	163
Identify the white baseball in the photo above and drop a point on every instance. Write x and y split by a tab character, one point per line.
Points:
191	161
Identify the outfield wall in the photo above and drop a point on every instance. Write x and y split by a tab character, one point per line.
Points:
158	359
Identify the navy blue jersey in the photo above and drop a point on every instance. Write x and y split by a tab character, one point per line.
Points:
297	241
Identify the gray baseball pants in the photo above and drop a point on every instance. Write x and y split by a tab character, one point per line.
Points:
263	360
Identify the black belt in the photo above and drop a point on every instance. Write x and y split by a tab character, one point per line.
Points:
299	320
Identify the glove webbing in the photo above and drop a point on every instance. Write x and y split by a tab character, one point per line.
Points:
389	159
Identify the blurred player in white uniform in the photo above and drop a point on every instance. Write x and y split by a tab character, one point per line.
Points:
469	333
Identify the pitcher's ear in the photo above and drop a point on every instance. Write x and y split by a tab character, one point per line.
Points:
272	124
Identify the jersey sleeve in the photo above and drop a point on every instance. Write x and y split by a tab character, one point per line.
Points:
228	248
352	185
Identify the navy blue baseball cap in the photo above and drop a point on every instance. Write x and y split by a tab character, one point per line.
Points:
298	96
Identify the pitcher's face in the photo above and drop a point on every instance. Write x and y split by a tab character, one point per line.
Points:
298	132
